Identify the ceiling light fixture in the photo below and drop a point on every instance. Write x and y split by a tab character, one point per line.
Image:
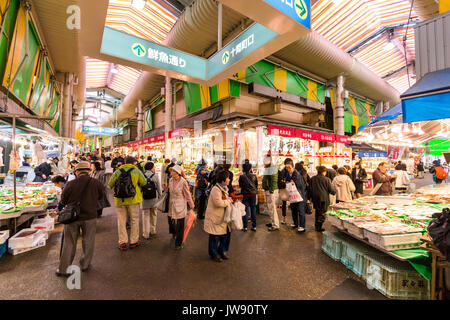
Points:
103	101
138	4
114	70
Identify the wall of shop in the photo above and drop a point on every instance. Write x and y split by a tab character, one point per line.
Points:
34	87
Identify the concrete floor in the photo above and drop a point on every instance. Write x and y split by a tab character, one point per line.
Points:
262	265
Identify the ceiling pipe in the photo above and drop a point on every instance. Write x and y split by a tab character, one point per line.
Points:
425	9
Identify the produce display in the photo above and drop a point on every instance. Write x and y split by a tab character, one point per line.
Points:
390	222
30	197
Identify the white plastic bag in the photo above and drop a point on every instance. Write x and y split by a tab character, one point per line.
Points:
240	207
294	195
236	217
227	217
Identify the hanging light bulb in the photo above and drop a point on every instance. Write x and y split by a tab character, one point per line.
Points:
226	127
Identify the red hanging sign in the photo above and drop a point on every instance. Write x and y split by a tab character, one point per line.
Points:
343	139
280	131
312	135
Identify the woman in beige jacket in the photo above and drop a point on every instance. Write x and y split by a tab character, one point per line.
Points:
219	231
344	186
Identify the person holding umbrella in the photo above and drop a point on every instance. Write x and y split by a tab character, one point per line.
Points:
219	231
180	197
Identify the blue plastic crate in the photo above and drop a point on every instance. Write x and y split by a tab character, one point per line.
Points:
353	258
2	249
331	245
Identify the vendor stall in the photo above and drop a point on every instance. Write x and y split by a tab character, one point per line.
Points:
394	226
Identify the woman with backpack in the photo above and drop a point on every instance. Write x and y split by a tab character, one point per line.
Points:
438	172
151	192
249	189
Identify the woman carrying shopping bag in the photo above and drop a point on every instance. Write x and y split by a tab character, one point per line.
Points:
294	182
180	197
219	230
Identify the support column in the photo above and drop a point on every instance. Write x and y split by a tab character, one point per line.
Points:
168	117
67	105
339	110
140	120
386	106
379	108
219	27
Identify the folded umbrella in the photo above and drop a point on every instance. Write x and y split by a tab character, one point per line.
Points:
190	221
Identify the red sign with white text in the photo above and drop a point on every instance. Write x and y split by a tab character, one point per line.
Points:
343	139
280	131
312	135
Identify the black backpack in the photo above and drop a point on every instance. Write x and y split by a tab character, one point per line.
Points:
149	190
439	231
202	183
124	188
281	180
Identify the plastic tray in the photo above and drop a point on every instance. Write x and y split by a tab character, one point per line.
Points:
395	279
331	245
338	223
394	241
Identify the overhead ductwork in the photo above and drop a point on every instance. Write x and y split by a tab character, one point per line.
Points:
196	31
426	9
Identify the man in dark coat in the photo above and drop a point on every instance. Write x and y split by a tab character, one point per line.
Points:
321	189
88	192
381	177
42	172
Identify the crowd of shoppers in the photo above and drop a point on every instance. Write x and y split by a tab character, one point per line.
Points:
138	191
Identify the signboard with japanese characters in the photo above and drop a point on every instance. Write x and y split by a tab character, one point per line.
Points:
343	139
280	131
99	131
122	45
248	41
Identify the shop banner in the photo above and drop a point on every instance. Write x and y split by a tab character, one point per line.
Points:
312	135
179	132
366	154
159	137
393	152
343	139
280	131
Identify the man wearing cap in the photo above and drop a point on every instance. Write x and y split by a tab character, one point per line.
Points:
88	192
270	186
128	206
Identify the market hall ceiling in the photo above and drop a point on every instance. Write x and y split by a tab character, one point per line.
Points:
347	26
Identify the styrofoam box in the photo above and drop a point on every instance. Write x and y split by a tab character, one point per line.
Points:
4	235
387	241
40	242
47	223
354	230
21	240
338	223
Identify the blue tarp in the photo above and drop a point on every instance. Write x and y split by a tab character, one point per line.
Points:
391	114
428	99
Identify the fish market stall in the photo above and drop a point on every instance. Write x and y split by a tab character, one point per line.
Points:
387	227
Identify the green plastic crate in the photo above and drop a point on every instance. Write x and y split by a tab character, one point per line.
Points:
395	279
331	245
